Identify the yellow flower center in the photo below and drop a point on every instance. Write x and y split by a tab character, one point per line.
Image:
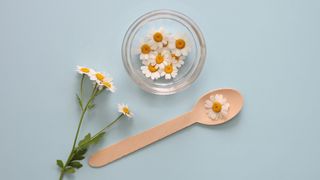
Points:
168	69
175	57
159	59
152	68
145	49
85	70
100	76
126	110
216	107
180	43
157	37
107	84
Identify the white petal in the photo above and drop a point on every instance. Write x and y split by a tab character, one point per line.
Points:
174	74
224	112
223	101
218	97
184	52
218	116
208	103
225	106
212	115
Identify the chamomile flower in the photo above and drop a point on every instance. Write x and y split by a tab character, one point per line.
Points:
179	45
144	50
84	70
178	61
160	59
151	71
163	54
124	109
99	77
217	106
158	38
108	84
169	71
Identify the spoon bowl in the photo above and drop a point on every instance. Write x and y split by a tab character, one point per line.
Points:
233	97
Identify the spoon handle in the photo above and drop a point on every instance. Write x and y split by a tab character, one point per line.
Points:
134	143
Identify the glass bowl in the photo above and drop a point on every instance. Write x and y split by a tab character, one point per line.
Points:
173	22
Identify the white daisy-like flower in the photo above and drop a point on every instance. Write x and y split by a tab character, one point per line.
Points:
99	77
169	71
84	70
160	59
144	50
217	106
178	61
151	71
180	45
124	109
158	38
108	84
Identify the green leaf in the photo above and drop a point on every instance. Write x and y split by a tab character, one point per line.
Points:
91	106
60	163
97	138
78	154
82	151
76	164
70	170
93	140
78	157
79	101
83	143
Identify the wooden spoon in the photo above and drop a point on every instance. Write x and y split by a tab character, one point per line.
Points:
197	115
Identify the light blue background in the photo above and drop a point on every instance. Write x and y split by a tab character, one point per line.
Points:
269	50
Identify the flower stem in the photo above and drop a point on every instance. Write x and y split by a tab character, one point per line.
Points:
93	95
82	116
108	126
81	86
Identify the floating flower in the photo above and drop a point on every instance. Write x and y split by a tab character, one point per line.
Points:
162	54
151	71
124	109
158	39
84	70
178	61
108	84
169	71
179	45
160	59
144	50
218	107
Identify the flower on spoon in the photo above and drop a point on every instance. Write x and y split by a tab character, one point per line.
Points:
217	106
124	109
